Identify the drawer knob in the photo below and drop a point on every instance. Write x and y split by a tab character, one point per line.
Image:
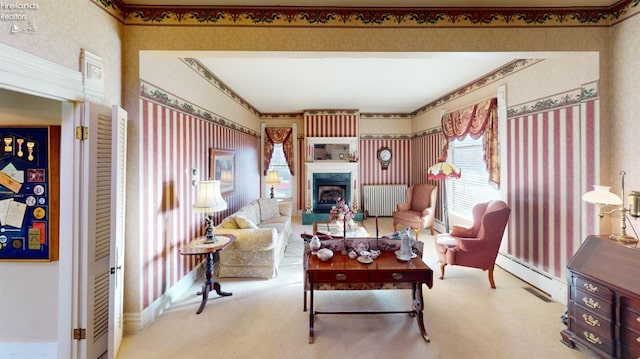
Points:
591	288
590	320
341	276
397	276
592	338
589	302
638	319
638	339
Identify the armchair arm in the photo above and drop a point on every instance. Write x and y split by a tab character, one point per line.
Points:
262	239
459	231
403	206
427	211
470	244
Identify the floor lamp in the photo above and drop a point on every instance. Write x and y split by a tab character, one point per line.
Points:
442	171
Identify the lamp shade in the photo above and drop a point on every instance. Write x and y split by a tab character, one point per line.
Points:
443	170
272	177
209	198
601	195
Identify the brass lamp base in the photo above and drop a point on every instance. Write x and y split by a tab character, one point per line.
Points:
624	238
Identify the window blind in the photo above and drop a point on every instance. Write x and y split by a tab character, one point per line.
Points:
473	185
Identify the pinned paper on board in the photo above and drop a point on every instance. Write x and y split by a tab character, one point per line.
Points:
16	174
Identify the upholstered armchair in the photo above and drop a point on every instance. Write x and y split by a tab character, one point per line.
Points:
476	246
418	211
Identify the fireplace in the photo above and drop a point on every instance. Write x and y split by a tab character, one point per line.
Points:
328	188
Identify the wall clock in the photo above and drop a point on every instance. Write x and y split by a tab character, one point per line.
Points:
384	156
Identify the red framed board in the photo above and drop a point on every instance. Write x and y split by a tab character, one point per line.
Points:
29	193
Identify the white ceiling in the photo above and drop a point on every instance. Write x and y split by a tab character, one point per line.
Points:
280	82
393	83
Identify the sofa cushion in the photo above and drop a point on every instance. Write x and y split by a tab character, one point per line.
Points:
251	212
245	223
268	208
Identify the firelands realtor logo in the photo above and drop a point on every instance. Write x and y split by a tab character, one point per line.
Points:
19	15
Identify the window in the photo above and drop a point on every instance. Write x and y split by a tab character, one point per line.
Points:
473	185
279	164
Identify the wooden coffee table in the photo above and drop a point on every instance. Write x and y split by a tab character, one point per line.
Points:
385	272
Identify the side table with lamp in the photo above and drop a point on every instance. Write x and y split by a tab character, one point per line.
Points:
209	201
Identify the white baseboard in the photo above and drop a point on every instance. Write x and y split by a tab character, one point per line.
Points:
28	350
554	287
135	322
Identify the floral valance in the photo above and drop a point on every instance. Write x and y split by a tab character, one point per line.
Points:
477	120
470	120
275	135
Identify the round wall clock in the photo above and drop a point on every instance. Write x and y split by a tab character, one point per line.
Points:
384	156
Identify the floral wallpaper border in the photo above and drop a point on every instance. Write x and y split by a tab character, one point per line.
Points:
157	95
586	92
132	14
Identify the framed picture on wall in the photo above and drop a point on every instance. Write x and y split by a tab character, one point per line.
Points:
222	167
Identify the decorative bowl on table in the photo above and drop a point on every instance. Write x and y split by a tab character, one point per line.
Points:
325	254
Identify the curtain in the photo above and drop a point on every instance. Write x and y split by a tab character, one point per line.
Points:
477	120
276	135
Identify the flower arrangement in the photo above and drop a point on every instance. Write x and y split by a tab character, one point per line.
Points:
353	156
341	212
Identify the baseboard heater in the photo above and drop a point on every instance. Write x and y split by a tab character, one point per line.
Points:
381	200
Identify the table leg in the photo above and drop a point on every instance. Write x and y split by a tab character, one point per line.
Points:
312	313
417	307
210	284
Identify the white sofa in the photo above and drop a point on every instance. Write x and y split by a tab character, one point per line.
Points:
262	229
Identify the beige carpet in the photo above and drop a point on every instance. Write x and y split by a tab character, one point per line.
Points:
464	317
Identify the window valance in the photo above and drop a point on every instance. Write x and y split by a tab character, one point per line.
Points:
477	120
277	135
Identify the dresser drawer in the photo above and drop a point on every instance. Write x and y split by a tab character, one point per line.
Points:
398	276
593	288
630	313
594	338
630	338
588	319
629	352
338	276
592	303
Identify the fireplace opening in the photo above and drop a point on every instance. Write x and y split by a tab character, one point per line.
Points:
327	191
330	194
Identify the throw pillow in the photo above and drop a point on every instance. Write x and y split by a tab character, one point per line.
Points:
268	208
245	223
229	223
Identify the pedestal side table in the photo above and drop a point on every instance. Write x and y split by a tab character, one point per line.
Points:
199	247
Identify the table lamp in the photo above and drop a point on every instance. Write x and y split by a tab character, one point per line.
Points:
272	179
601	197
442	171
209	201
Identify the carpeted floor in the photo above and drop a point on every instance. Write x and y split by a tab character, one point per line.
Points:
464	317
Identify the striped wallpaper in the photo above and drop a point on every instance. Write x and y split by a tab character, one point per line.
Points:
331	124
425	150
172	142
551	162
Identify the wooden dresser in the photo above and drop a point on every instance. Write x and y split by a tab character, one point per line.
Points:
604	299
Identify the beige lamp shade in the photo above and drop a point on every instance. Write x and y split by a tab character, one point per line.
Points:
272	177
209	198
602	195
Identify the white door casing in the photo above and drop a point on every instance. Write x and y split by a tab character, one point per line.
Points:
118	215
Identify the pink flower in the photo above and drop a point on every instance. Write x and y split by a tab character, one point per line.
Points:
341	212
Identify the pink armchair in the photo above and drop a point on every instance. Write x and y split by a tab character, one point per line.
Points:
477	246
418	211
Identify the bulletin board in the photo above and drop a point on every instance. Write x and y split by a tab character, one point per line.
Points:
29	193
